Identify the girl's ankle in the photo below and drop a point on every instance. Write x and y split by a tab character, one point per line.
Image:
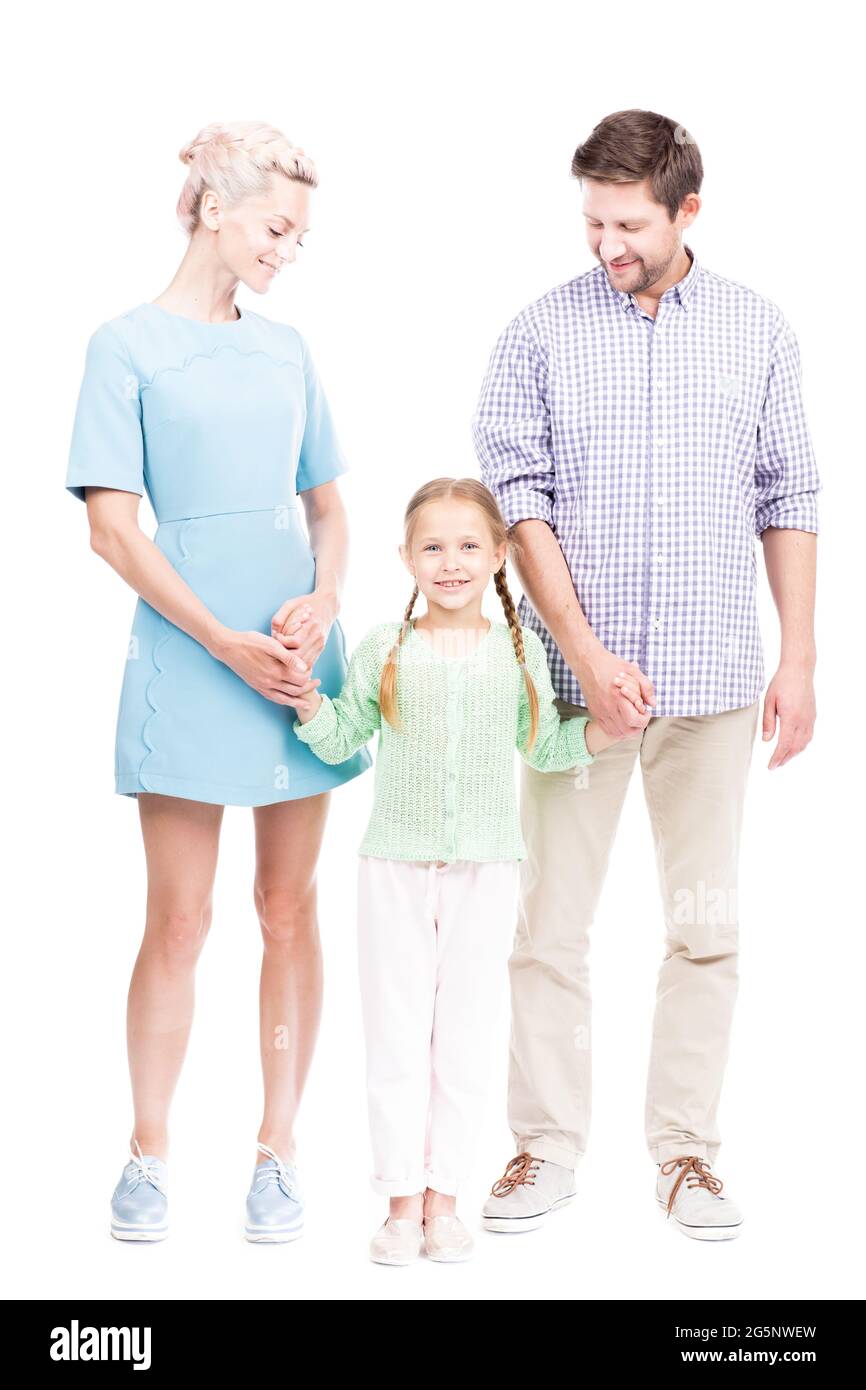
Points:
411	1208
439	1204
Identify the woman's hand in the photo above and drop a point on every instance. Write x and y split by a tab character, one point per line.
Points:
266	665
303	624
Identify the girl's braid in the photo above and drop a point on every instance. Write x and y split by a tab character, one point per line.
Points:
388	682
511	618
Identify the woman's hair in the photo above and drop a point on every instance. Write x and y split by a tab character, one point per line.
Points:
236	161
464	490
630	146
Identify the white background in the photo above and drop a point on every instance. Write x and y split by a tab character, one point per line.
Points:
443	136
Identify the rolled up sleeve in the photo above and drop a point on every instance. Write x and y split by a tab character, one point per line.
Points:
511	428
786	475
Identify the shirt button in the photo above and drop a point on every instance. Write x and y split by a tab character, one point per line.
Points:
657	622
660	558
660	501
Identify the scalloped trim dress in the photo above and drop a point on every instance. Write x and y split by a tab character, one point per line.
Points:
222	426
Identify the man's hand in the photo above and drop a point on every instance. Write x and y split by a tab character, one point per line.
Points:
790	698
608	684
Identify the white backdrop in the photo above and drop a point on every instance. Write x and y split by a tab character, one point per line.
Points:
443	135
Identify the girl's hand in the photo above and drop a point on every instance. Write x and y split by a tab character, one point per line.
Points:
629	687
596	737
303	624
596	671
308	707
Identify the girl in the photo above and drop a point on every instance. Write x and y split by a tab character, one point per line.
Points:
451	696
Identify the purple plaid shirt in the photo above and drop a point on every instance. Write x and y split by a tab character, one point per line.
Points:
656	450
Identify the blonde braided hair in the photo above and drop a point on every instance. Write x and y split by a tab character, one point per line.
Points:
236	161
467	490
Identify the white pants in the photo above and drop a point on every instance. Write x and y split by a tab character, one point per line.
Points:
433	947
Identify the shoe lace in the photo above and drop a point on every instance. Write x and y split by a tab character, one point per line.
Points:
143	1172
520	1171
692	1167
280	1175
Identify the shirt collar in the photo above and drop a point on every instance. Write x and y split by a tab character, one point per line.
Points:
682	290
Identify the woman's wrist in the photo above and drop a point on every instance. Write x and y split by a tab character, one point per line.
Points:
217	640
329	592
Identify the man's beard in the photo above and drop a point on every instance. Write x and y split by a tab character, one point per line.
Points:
648	274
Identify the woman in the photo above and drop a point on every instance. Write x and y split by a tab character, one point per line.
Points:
218	415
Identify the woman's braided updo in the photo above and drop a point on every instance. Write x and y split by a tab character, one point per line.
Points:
236	161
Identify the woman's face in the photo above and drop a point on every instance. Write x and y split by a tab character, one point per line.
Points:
260	235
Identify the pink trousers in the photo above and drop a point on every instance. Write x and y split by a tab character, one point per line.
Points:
433	946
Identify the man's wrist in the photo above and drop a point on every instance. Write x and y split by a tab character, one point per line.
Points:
799	658
580	646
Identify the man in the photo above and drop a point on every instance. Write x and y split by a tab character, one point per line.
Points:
639	425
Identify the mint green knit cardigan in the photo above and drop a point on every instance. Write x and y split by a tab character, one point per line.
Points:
444	786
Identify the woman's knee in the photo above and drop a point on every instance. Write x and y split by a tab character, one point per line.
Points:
287	915
179	929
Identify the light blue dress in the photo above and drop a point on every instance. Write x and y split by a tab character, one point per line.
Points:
222	425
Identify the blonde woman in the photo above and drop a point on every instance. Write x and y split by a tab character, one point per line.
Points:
451	695
218	414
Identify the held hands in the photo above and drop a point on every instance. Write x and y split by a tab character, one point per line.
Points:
306	705
629	688
266	665
302	625
280	666
629	694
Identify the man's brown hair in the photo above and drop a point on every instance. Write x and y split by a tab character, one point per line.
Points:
630	146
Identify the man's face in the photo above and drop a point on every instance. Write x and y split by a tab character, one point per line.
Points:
630	234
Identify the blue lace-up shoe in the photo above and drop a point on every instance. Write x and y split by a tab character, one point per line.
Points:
275	1209
139	1205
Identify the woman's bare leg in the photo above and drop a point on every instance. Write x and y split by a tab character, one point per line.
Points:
181	840
288	841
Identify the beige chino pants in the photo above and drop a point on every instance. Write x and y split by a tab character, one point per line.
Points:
694	776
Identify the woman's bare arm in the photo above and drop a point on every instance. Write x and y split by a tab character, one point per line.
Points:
265	664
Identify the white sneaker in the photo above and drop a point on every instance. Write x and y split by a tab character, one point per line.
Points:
689	1192
447	1239
398	1241
529	1189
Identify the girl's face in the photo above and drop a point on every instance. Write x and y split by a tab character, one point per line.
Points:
452	555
